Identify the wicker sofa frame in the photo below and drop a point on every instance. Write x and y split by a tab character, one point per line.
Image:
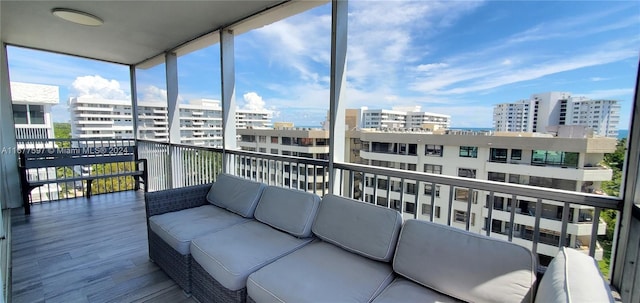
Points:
176	265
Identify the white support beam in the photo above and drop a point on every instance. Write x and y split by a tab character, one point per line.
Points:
338	75
171	65
10	196
134	100
228	79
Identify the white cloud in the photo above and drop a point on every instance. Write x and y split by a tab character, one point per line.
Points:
153	93
488	72
598	79
253	101
96	86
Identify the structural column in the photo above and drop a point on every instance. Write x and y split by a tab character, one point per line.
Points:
171	65
9	187
338	75
173	108
134	99
228	79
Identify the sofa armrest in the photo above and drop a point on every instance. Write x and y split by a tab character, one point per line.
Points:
164	201
573	276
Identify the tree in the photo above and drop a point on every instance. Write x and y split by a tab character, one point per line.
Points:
615	161
62	131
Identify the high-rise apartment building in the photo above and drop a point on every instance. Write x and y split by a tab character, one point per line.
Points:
530	159
297	142
526	158
552	109
400	117
33	123
200	120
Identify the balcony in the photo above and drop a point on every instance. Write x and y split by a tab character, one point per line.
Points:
578	174
44	267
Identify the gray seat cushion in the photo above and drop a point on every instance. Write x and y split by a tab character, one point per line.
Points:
464	265
289	210
573	277
403	290
362	228
319	272
230	255
235	194
178	228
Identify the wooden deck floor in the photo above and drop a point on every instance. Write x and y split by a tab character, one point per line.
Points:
80	250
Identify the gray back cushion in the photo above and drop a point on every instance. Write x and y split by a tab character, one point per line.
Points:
235	194
573	276
464	265
362	228
289	210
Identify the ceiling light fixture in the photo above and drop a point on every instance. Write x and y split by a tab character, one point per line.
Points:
77	17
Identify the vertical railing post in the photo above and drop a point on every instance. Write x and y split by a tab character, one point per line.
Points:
339	9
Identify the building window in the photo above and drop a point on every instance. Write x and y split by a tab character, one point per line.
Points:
36	114
322	142
382	201
433	150
263	150
468	151
262	139
516	154
428	189
555	158
498	155
411	189
494	176
395	204
462	195
20	114
409	207
460	216
433	169
426	209
411	167
274	151
467	173
274	140
305	141
286	140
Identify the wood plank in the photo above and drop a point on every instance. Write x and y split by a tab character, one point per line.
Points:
81	250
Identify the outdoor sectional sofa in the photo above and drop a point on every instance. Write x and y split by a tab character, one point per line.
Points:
284	245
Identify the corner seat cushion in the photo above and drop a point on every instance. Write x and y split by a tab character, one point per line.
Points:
289	210
319	272
403	290
235	194
464	265
230	255
366	229
573	277
178	228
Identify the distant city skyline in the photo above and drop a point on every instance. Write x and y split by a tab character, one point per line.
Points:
457	58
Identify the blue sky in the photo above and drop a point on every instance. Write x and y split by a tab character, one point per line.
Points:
451	57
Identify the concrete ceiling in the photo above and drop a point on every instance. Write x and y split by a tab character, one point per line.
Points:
133	31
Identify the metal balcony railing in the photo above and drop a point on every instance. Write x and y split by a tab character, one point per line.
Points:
411	193
63	188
